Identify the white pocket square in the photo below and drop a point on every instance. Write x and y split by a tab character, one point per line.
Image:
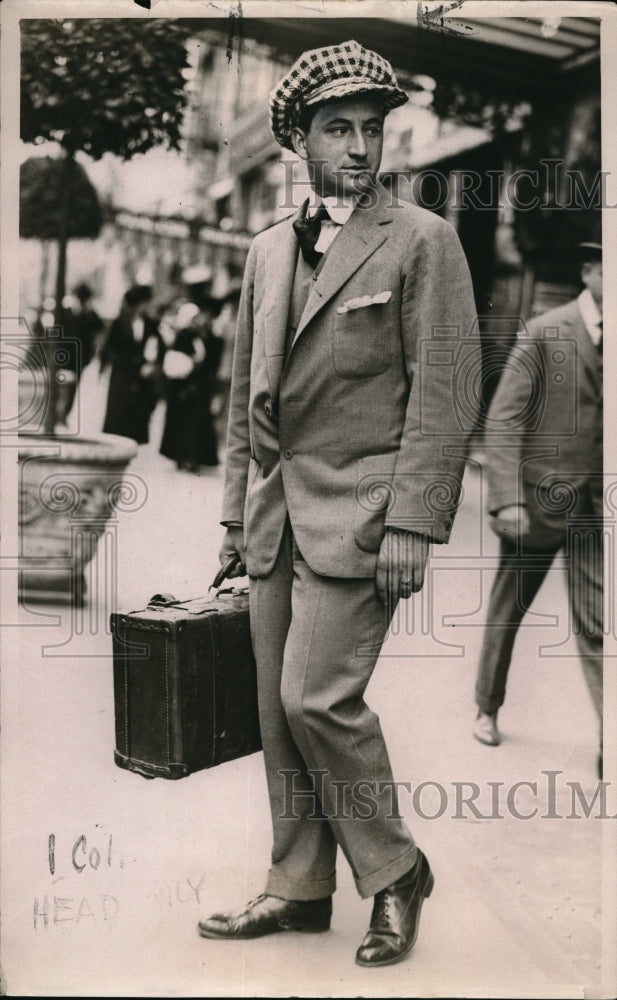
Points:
365	300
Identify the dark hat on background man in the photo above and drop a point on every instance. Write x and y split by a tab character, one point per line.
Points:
212	303
137	294
82	291
588	252
344	70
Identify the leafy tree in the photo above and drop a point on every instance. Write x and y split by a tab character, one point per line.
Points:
99	86
103	86
40	200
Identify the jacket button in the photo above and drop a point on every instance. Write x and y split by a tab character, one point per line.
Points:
268	408
289	453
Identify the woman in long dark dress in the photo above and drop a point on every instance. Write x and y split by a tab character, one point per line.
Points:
189	435
134	348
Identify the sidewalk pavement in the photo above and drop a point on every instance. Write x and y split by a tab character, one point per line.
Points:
105	874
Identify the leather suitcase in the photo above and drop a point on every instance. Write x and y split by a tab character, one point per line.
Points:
185	691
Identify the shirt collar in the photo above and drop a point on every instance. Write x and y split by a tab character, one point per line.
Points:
339	209
590	313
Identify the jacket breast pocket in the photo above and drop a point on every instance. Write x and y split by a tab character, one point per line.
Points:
361	345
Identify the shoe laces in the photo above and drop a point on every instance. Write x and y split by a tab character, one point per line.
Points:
381	914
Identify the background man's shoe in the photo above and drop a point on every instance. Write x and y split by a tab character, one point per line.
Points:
485	729
267	915
395	918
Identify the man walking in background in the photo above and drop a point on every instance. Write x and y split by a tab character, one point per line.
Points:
344	461
545	485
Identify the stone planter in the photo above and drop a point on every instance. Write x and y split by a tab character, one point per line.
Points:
69	488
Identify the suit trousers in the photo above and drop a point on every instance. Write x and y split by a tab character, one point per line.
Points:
329	777
521	572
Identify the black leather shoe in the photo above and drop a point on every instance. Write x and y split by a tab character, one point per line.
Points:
267	915
396	916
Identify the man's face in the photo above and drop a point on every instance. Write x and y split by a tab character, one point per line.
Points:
591	274
342	146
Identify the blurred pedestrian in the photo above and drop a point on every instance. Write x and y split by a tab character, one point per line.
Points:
190	367
86	320
197	281
226	329
545	485
134	348
82	324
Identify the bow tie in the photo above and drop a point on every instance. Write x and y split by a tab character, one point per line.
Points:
307	232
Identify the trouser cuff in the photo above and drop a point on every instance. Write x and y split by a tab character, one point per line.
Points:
280	885
488	705
372	884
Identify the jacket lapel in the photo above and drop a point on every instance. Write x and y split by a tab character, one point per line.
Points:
365	231
587	349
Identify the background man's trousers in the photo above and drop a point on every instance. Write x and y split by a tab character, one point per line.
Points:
521	572
308	633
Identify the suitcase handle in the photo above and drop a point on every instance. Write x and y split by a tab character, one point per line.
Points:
226	568
161	601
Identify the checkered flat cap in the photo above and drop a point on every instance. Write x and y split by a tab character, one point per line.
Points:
343	70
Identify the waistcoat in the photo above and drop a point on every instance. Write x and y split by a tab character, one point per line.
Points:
303	278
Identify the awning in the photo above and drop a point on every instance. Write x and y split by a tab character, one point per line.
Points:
519	55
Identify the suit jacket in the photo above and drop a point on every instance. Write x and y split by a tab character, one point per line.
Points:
364	423
544	425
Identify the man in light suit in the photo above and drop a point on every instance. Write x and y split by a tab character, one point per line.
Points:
544	470
344	461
